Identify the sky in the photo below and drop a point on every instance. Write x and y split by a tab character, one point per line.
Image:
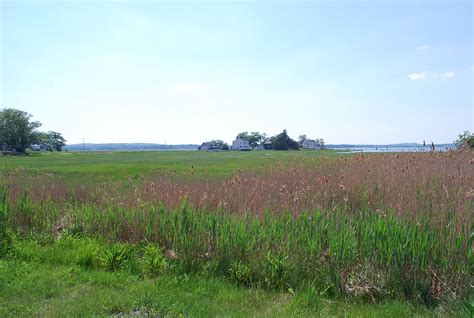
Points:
359	72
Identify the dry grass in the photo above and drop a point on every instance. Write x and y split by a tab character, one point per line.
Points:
407	183
410	184
372	225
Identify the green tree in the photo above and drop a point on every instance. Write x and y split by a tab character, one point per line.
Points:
42	138
56	140
283	142
220	144
243	135
466	138
301	140
16	129
321	143
255	138
268	142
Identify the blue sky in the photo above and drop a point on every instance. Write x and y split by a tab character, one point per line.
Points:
185	72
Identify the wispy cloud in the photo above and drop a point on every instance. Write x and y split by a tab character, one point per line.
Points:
428	75
423	47
448	74
417	76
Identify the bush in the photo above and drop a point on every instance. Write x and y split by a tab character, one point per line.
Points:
465	139
283	142
114	257
154	260
241	273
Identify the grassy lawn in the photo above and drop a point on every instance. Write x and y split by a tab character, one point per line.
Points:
36	283
126	164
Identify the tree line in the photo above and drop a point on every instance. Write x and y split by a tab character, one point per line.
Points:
281	141
18	133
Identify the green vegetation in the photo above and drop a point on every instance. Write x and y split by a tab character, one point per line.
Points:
52	140
466	139
53	278
283	142
255	138
18	132
237	233
121	165
215	145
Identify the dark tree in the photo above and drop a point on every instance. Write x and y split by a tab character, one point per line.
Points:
219	144
283	142
254	138
16	129
56	140
301	140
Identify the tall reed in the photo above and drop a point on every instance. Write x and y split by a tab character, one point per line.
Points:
373	226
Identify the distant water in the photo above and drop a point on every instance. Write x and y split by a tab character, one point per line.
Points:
418	148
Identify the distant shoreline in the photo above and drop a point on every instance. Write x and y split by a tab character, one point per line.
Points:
391	148
128	147
401	147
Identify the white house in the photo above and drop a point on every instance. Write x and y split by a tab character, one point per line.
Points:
209	146
205	146
311	144
39	147
240	144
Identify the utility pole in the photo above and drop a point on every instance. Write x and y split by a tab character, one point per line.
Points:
83	145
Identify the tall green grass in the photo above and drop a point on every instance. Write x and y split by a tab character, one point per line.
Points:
367	254
5	236
374	228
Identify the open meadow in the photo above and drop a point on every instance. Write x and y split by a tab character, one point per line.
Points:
259	233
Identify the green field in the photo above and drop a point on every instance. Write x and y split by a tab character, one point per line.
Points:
262	233
125	164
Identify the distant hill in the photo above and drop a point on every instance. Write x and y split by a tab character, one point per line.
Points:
399	145
150	146
128	147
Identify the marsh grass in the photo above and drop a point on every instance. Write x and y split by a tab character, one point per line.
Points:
361	254
364	227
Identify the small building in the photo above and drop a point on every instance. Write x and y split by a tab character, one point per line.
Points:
205	146
268	145
6	148
209	146
311	144
39	147
241	144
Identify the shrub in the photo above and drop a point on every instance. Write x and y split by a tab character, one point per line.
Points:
241	273
466	139
154	260
114	257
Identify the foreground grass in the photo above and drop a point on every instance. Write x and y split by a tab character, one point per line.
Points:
368	232
364	254
35	281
